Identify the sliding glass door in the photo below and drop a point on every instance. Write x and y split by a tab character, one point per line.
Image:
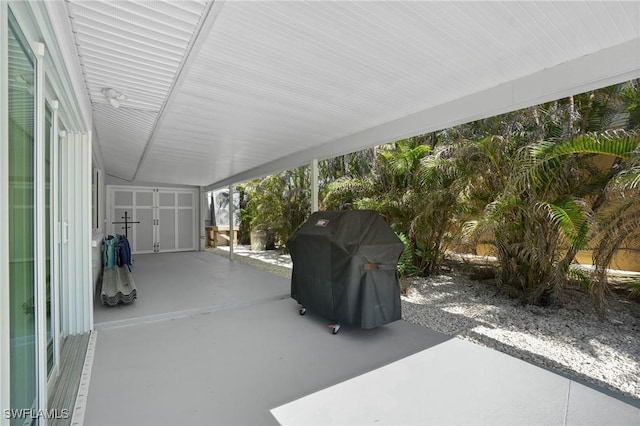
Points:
21	220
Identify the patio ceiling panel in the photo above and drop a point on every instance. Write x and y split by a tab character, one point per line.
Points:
277	79
293	75
135	48
244	88
126	130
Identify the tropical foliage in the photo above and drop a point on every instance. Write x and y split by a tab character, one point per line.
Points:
536	185
556	198
278	204
403	173
548	210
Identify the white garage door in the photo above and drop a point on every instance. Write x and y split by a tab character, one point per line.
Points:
157	219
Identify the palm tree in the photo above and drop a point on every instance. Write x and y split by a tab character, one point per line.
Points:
385	188
393	188
551	196
278	203
619	224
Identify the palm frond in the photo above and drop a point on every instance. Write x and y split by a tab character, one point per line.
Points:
616	143
582	278
618	229
572	217
504	205
548	165
626	180
406	268
633	287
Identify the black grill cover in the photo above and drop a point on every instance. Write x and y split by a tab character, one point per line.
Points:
345	268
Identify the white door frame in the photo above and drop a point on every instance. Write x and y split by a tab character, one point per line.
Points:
156	190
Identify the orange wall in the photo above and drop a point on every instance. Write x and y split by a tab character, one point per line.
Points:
625	259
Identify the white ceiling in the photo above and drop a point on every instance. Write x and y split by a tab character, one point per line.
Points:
219	92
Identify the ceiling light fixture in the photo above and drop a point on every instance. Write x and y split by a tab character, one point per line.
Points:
113	96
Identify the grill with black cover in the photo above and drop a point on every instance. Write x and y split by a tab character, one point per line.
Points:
345	268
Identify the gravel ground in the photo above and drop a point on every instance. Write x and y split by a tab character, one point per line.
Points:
566	337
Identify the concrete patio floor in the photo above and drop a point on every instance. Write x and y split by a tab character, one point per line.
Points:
211	341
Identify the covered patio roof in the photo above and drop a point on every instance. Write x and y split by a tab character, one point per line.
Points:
210	93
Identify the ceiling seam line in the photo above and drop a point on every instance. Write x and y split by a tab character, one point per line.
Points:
196	43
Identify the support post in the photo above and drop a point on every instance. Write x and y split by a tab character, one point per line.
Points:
231	221
203	202
314	185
